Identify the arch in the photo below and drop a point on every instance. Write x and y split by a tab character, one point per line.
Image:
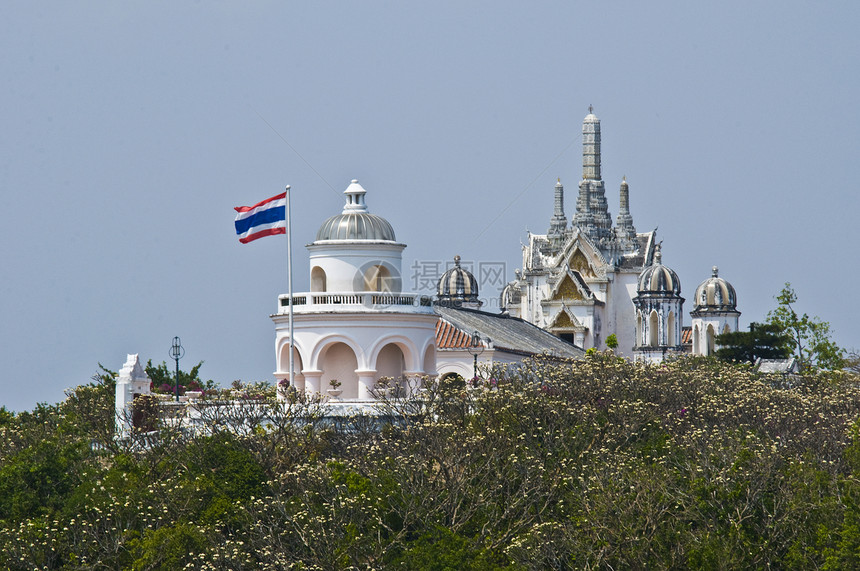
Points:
430	360
709	340
640	334
726	329
696	342
318	279
377	278
284	363
406	345
458	368
653	328
315	360
390	362
339	361
283	354
452	381
670	330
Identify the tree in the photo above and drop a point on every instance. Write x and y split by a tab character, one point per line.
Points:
762	341
612	341
164	380
852	361
810	337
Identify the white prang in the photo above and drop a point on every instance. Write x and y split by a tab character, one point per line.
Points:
131	383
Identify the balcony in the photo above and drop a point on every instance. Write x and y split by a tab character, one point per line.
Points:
356	302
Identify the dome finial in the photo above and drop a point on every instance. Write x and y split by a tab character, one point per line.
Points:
715	271
590	109
658	253
457	260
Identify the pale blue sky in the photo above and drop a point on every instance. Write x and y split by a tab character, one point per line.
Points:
130	130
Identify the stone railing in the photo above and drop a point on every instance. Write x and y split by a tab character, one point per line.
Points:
309	302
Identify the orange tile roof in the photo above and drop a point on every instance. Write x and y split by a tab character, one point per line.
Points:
686	335
449	337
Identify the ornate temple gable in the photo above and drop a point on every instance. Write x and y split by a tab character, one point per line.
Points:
578	262
571	287
581	255
564	321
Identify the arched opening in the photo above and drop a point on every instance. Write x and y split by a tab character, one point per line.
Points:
653	328
710	335
726	329
451	382
377	278
318	279
696	343
391	363
640	335
430	360
670	330
284	366
338	362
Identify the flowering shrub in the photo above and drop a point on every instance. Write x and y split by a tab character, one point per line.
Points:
578	464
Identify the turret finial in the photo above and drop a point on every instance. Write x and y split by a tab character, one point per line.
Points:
715	271
457	260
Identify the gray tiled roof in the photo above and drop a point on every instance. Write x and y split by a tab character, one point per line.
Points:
508	333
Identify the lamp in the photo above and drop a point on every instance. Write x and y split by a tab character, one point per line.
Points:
177	351
475	348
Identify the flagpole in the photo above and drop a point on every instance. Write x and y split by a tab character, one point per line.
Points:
290	284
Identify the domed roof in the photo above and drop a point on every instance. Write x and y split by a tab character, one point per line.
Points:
657	279
457	285
715	294
355	222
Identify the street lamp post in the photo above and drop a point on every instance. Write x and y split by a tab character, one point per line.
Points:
475	348
177	351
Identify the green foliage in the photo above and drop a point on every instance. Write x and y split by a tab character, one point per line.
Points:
810	337
170	547
762	341
164	379
598	463
612	341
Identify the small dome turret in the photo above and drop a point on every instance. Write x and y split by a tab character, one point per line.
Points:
457	286
715	295
355	222
659	279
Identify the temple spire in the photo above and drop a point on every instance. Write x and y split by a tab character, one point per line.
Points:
592	212
625	232
558	222
591	146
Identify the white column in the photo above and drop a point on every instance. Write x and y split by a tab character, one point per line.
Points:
312	380
366	380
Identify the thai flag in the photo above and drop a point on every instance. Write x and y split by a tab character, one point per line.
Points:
265	218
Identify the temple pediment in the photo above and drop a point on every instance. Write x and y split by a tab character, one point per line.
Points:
581	255
564	321
571	287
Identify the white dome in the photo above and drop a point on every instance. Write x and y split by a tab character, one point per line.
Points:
355	222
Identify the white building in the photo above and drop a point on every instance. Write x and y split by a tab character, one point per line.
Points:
587	279
356	324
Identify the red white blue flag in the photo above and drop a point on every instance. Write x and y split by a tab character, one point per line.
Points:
265	218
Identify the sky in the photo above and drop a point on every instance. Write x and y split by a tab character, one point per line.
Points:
130	130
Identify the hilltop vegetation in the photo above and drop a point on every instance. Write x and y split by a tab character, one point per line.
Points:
598	463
